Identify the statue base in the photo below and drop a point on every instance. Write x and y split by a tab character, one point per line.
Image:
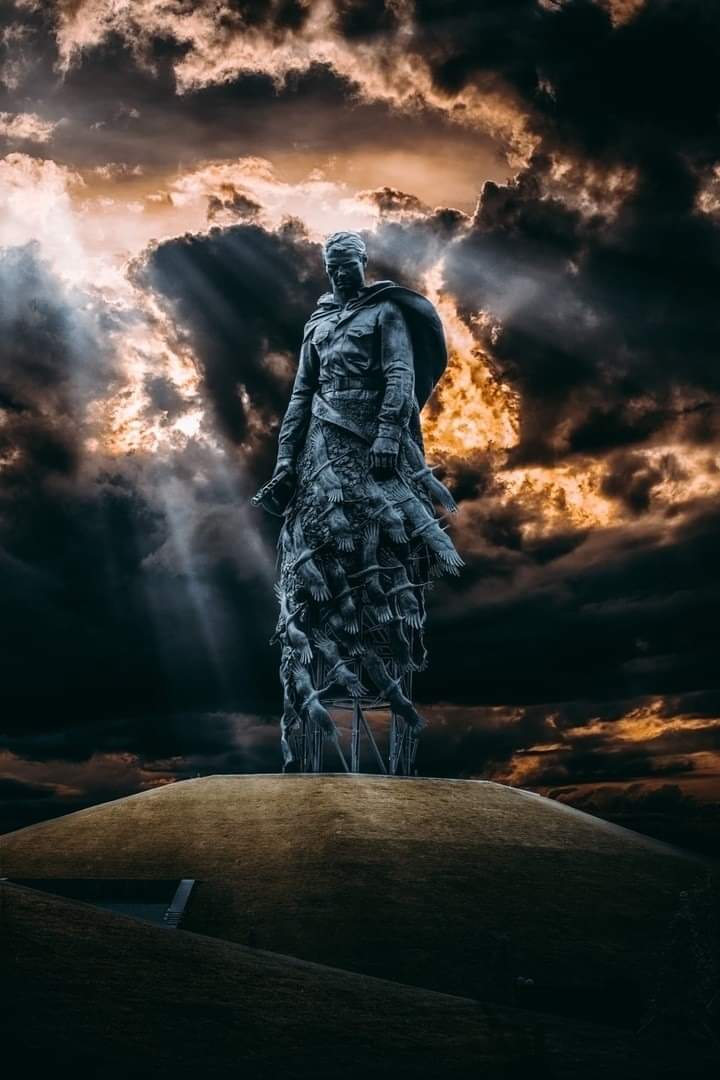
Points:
309	741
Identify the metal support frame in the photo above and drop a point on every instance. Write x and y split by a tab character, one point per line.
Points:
316	753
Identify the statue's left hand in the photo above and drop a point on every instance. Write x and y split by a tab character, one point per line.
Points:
383	455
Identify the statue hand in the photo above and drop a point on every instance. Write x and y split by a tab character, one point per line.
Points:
284	470
383	455
275	495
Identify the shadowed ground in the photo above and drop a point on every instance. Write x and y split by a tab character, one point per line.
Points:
91	993
464	887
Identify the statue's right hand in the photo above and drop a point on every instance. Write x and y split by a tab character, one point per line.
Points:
278	490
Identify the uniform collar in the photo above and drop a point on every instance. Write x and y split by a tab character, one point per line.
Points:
328	305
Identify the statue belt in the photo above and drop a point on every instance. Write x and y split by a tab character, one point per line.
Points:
349	382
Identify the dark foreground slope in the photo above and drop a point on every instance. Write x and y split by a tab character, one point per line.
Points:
92	994
463	887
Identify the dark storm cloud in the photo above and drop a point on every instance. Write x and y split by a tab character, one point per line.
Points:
128	596
632	479
602	278
24	802
701	704
609	318
608	92
405	247
233	202
609	327
174	743
593	765
365	18
11	789
130	586
52	361
245	293
117	106
119	102
560	743
393	201
666	812
82	766
622	614
635	798
163	397
57	559
476	742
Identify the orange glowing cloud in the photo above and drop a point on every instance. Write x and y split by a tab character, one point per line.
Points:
472	410
622	11
151	347
642	725
26	127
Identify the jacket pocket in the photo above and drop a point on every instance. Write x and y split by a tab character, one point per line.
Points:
321	334
360	330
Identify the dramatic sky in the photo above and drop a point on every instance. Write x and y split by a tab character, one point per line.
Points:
548	171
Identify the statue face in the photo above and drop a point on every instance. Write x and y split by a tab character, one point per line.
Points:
346	272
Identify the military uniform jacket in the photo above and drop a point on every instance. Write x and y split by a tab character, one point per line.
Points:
355	371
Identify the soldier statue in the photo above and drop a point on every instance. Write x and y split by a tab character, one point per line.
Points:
360	541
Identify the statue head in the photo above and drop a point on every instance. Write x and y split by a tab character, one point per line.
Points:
345	261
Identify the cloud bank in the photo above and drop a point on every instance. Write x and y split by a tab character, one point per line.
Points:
151	304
